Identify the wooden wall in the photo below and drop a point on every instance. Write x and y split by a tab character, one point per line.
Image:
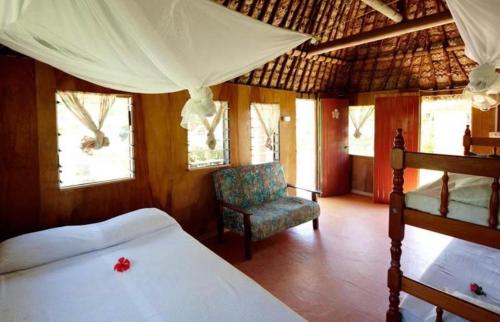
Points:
19	176
188	194
361	174
29	195
362	167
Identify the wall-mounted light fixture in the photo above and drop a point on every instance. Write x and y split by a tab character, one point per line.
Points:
286	118
336	114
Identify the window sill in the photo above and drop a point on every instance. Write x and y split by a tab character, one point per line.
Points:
94	184
361	156
210	167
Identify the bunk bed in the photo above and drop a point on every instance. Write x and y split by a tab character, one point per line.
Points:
444	221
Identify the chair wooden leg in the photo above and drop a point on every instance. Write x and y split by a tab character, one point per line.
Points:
248	248
316	223
248	237
220	225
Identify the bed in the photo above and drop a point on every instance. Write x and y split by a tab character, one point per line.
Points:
67	274
451	207
459	264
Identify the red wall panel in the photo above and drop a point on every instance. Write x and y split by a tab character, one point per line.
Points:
392	113
334	156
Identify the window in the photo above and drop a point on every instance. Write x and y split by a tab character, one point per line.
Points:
443	120
265	137
200	155
80	161
361	130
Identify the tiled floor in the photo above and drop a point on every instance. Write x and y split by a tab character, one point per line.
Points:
339	272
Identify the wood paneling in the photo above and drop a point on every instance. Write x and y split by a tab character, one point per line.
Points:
19	184
392	113
334	155
482	124
188	194
361	173
30	197
90	203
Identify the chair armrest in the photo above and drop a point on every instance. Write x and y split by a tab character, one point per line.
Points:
308	190
234	208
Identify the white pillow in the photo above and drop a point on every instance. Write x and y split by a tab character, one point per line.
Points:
472	190
50	245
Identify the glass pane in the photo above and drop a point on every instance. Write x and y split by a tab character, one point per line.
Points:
113	162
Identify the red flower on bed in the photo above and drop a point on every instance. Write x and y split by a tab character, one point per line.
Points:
122	265
476	289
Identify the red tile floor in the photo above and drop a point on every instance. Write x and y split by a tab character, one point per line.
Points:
337	273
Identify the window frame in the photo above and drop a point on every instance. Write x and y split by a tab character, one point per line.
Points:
132	139
226	143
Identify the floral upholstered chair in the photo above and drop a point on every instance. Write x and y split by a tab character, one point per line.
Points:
253	202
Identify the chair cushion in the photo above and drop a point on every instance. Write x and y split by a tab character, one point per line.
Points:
273	216
250	185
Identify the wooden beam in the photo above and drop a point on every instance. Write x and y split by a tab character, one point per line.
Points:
384	9
384	33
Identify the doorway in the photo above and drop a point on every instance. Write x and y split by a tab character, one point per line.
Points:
306	133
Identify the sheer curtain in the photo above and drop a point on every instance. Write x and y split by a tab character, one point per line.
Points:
359	118
269	118
75	102
211	126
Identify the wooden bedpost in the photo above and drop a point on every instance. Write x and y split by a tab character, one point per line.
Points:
443	209
396	226
439	314
467	140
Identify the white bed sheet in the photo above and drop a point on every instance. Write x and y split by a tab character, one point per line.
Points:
172	278
428	199
460	264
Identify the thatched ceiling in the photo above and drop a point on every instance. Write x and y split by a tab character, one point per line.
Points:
428	59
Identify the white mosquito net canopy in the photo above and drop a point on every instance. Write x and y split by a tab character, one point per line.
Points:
478	23
145	46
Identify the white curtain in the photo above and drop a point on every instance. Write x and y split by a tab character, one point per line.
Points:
145	46
211	126
269	118
75	102
359	117
478	23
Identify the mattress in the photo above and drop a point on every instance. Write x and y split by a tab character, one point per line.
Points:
459	264
172	278
427	199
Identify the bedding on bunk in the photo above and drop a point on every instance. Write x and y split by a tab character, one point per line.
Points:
67	274
459	264
469	198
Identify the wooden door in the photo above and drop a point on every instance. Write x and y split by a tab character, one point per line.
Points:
334	153
392	113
